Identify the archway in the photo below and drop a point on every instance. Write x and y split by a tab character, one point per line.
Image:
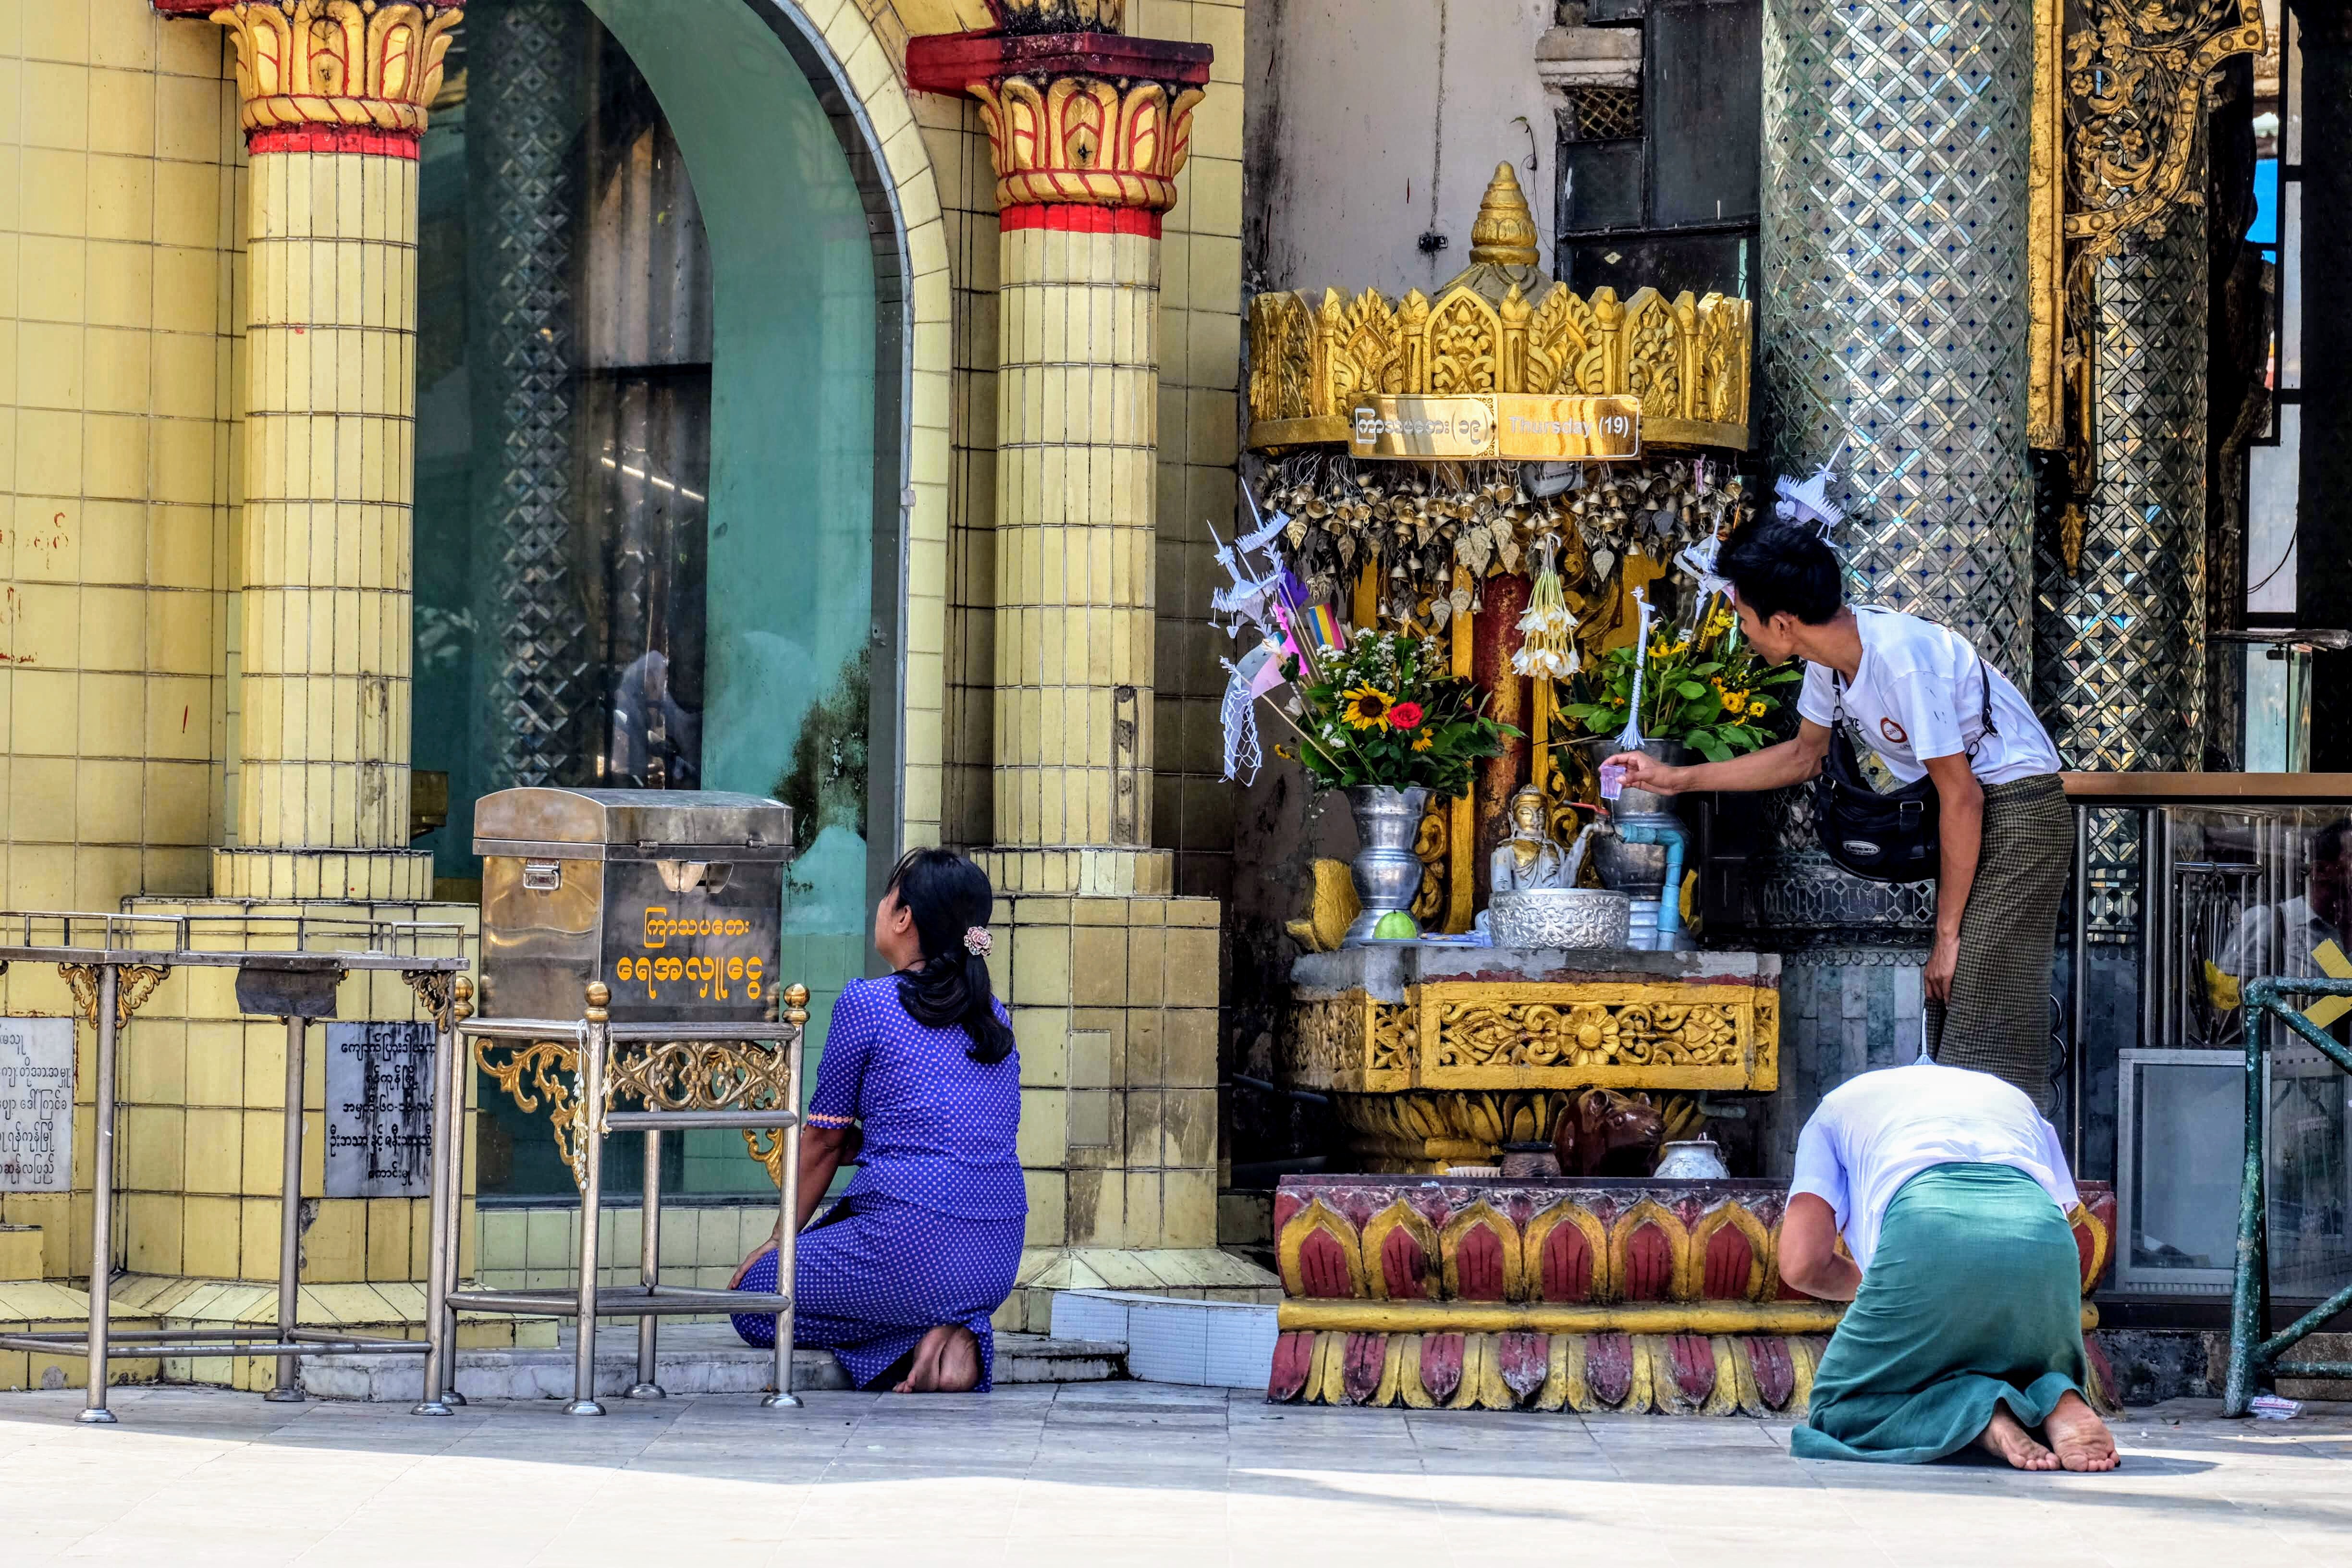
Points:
663	449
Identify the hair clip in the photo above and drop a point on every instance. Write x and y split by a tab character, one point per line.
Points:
978	943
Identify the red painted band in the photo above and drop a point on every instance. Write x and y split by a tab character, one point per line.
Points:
1072	218
333	138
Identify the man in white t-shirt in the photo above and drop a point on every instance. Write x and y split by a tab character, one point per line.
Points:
1953	1197
1931	707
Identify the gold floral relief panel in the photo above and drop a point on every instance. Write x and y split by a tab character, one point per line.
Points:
1498	1034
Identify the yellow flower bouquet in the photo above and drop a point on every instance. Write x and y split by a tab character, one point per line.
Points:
1380	711
1705	688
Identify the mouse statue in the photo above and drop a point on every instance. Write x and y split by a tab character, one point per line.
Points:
1601	1133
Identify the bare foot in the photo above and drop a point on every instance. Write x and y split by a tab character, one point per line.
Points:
2081	1439
947	1361
2005	1440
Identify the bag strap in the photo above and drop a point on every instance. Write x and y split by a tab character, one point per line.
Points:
1984	677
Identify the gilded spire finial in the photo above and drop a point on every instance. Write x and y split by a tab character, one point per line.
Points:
1504	234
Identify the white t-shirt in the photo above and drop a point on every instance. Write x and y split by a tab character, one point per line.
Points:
2284	938
1874	1132
1917	694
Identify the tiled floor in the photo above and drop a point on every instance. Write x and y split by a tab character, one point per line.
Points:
1114	1474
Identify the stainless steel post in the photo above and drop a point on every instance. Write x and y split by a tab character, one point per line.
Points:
591	1195
2150	900
2078	1075
649	1272
289	1217
450	1192
788	1202
101	1203
436	1263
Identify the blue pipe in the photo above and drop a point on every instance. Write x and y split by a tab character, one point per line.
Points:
1670	898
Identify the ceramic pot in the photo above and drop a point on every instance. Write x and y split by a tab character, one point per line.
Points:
1695	1160
1386	872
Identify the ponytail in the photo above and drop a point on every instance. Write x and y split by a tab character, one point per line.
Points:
949	900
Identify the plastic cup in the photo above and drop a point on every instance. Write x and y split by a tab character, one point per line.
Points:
1613	780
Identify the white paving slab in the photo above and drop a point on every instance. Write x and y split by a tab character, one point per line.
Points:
1115	1474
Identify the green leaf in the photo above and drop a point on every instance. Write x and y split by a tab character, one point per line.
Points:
1713	749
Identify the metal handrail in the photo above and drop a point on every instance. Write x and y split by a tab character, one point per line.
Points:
2251	1355
594	1037
147	947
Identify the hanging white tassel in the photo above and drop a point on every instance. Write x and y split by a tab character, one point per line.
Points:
1630	738
1244	753
1547	648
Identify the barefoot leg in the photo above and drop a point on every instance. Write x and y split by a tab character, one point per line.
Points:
2081	1439
947	1361
2010	1442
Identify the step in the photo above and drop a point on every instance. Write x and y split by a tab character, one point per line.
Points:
694	1359
1174	1339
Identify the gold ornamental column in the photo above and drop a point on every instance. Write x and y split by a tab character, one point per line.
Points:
1113	981
334	99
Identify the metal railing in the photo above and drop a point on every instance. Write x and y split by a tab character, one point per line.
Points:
596	1068
96	952
2255	1352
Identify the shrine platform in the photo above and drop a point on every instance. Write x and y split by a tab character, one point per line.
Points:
1438	1054
1587	1294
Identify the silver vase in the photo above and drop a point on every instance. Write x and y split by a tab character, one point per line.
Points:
1386	872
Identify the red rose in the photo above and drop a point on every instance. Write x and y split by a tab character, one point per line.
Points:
1404	715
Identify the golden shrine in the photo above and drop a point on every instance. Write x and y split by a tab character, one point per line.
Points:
1438	1054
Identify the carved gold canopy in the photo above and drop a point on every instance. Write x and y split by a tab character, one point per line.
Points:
1502	325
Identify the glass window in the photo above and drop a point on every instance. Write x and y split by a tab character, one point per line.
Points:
1659	185
1703	69
645	497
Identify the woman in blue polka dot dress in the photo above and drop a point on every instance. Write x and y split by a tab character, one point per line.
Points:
920	1082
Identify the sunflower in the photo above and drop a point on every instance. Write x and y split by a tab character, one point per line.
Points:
1366	708
1733	702
1422	743
1756	709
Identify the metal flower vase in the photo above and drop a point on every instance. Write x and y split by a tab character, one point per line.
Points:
1386	872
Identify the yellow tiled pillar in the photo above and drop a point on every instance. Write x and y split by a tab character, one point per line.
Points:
331	101
334	101
1113	981
1077	398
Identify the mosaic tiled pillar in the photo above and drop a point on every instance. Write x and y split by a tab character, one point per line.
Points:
1896	146
2121	680
1895	143
334	103
1894	323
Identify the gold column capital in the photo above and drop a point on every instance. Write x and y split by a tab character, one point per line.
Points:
1084	141
337	75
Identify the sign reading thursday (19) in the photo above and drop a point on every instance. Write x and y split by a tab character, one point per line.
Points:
36	1091
1497	424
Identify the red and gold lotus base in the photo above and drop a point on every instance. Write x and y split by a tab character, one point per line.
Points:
1627	1295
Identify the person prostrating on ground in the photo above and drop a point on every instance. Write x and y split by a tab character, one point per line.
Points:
1952	1193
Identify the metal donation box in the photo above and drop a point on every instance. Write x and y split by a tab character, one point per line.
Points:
672	898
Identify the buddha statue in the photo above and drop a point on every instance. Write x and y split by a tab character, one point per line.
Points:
1530	859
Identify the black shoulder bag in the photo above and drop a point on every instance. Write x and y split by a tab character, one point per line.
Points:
1884	837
